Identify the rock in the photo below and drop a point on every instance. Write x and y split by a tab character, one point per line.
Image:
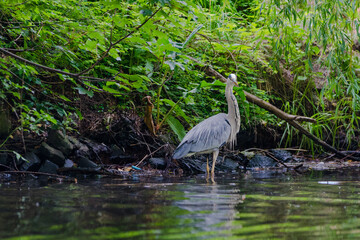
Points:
4	160
98	148
117	155
261	161
75	142
49	167
68	163
33	162
84	162
193	165
90	149
60	141
52	154
227	164
158	163
5	124
282	155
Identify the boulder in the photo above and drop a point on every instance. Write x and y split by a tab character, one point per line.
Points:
158	163
60	141
261	161
68	163
98	148
4	159
5	124
51	154
117	155
33	162
76	143
282	155
49	167
84	162
227	165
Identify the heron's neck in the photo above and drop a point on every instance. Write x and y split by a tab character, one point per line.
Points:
233	113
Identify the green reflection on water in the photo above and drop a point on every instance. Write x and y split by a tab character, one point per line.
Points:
233	208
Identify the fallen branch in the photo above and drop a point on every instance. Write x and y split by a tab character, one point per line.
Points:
291	119
88	171
39	173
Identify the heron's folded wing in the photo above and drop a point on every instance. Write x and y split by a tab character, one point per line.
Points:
210	134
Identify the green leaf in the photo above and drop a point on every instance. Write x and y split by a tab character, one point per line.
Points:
301	78
83	91
192	34
176	109
216	83
18	156
64	98
176	126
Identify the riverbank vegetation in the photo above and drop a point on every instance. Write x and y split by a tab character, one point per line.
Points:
76	66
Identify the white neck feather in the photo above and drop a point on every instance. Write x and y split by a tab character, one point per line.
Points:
233	113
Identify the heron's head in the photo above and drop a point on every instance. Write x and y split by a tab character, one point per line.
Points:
232	78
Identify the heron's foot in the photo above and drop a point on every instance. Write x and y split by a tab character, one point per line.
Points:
212	179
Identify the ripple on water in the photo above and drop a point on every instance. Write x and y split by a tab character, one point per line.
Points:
235	207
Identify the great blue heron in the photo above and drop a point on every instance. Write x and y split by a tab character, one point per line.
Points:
212	133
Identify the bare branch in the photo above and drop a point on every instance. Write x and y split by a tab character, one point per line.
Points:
38	65
115	43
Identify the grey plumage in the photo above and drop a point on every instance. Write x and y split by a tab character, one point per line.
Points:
209	134
212	133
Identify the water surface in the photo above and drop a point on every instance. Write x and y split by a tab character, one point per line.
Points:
257	205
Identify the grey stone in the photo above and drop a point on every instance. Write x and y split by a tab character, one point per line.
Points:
117	154
98	148
227	164
282	155
5	124
82	149
33	162
84	162
52	154
60	141
4	159
262	161
68	163
77	144
49	167
158	163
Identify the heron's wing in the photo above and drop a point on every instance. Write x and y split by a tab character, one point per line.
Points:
209	134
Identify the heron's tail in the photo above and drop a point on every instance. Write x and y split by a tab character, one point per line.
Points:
181	151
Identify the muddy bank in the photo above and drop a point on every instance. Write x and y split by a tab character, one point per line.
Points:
126	147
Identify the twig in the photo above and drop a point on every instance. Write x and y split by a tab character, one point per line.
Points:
38	65
115	43
37	173
87	171
285	149
20	50
277	160
150	154
75	76
2	165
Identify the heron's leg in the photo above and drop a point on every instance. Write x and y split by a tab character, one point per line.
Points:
215	155
207	167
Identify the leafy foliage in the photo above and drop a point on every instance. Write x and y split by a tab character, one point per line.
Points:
131	49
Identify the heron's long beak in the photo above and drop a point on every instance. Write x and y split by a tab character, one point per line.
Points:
236	84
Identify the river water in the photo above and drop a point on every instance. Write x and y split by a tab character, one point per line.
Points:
255	205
